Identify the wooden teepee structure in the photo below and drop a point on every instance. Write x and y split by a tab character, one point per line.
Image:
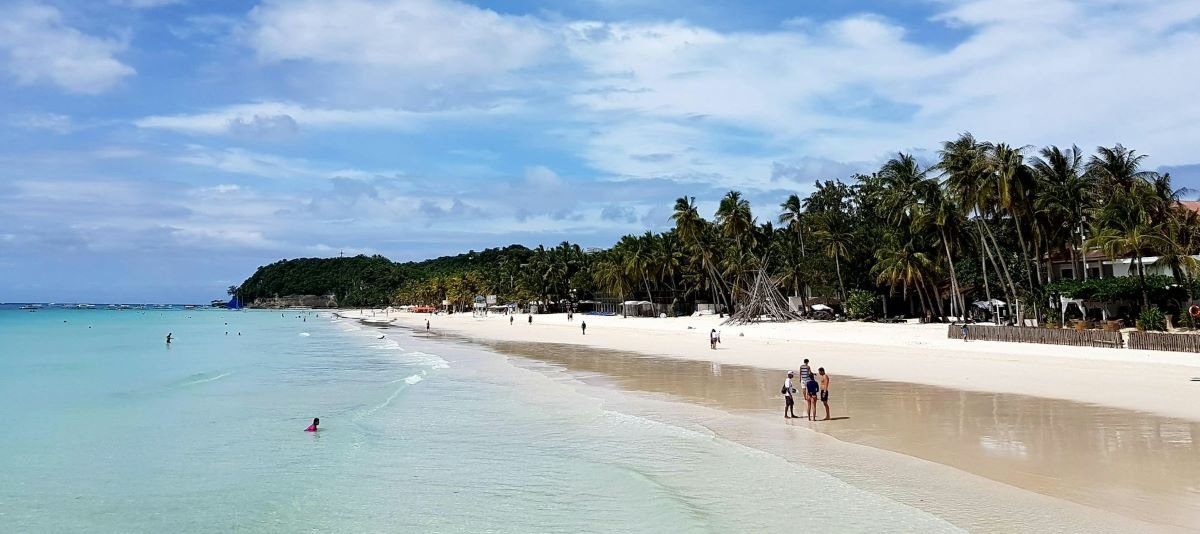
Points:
762	301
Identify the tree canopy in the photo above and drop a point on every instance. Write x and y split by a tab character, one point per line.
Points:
984	220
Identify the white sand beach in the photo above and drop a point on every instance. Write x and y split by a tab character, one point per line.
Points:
1149	381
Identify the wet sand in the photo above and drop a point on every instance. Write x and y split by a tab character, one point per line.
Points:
1123	462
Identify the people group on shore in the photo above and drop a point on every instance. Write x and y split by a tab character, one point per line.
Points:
815	388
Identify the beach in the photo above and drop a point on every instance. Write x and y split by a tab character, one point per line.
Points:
1147	381
1109	430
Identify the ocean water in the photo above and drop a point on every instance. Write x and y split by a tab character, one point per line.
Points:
106	429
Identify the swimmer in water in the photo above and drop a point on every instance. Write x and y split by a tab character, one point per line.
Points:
313	427
168	338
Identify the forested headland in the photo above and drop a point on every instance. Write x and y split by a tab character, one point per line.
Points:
984	221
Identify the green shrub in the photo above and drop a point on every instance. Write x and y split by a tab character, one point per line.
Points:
1153	320
861	304
1185	319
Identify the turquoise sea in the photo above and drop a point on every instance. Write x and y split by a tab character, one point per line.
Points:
107	429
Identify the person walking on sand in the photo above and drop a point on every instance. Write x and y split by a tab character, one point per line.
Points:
712	339
965	332
824	380
531	318
789	401
427	324
583	326
510	320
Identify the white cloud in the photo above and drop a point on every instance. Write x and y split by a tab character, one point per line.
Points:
280	118
860	88
248	163
36	46
52	122
414	37
145	4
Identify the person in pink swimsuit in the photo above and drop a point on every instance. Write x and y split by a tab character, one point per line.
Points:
313	427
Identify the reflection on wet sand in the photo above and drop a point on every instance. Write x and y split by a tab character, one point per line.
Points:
1123	461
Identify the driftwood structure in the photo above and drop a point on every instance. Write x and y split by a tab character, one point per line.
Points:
762	302
1164	341
1019	334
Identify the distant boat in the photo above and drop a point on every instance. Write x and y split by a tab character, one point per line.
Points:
30	307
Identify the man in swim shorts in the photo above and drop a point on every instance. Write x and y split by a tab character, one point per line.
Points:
824	394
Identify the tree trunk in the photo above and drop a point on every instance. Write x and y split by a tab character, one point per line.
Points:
1007	295
1083	253
987	288
936	295
842	287
1024	248
953	278
1006	274
1142	281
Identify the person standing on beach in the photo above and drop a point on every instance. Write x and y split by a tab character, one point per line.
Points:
583	326
965	332
789	402
510	320
805	378
712	339
824	391
427	324
813	388
531	318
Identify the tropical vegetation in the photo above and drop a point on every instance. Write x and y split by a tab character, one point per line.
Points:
982	221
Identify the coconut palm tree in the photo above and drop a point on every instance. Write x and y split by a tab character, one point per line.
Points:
903	267
792	217
836	240
1124	228
734	217
1066	197
1116	168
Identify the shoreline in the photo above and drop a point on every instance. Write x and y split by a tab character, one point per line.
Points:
1142	381
1049	459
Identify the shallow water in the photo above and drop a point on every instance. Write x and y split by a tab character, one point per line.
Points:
109	430
1134	464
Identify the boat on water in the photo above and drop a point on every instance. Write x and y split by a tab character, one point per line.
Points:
31	307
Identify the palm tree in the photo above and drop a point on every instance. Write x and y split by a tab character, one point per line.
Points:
836	240
610	275
793	217
904	267
1066	197
1116	168
688	222
1124	228
734	217
967	166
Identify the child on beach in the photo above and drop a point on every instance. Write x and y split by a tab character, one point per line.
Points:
789	402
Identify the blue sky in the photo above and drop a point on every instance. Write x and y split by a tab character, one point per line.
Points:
160	150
